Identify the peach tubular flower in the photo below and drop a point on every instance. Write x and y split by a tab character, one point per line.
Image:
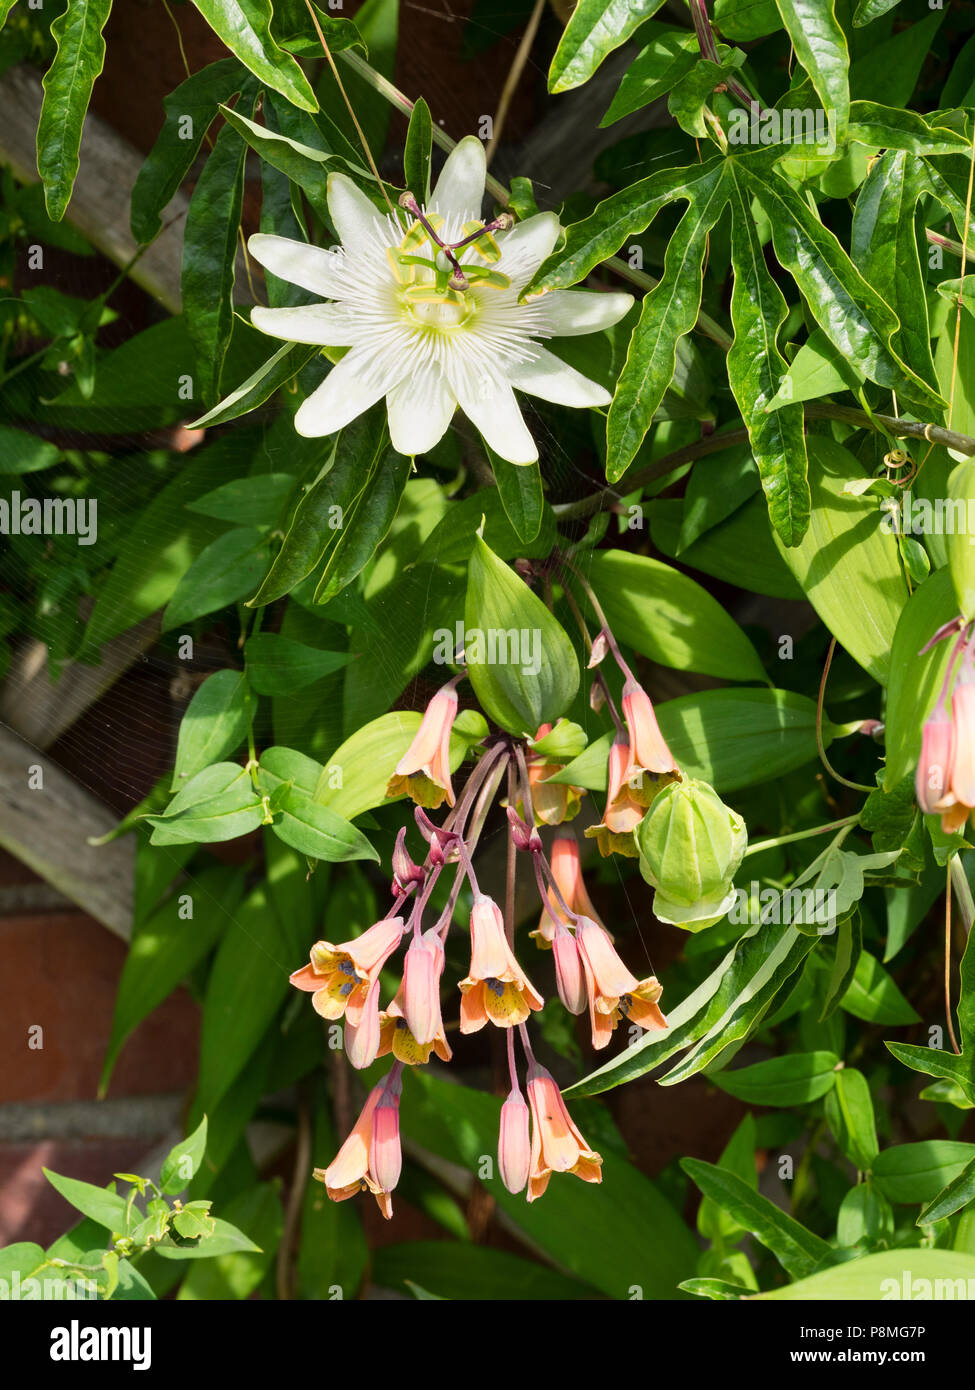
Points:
423	772
962	782
514	1142
566	866
626	806
363	1035
614	992
351	1170
568	970
338	977
385	1153
422	968
648	748
934	768
557	1146
496	989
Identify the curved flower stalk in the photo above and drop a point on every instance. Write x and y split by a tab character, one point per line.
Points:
428	309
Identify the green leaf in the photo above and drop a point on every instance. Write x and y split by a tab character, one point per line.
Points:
214	725
933	1062
869	10
523	668
816	370
741	546
277	371
210	257
182	1162
668	617
848	564
958	1194
219	803
316	831
230	568
910	1173
304	165
849	1114
653	72
97	1203
190	109
595	29
418	152
166	948
746	19
245	27
873	995
907	1274
820	46
484	514
68	83
320	515
855	318
669	311
247	984
366	523
725	1007
796	1079
797	1250
715	1288
883	245
688	101
625	214
892	128
225	1240
520	490
865	1216
254	501
21	452
277	666
755	364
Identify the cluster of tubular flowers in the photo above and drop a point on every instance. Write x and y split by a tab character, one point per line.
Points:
537	1135
945	777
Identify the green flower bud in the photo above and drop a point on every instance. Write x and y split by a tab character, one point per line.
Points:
691	845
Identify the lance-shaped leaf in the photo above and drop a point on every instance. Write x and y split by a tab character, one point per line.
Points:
625	214
596	28
798	1250
209	257
725	1008
520	490
654	71
820	46
277	371
894	128
245	27
190	110
366	523
320	515
869	10
755	366
68	82
521	664
883	246
669	311
856	319
418	151
304	165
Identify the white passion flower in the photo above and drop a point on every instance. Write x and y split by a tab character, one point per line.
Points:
430	314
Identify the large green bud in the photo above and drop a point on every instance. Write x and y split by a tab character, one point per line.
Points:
691	845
